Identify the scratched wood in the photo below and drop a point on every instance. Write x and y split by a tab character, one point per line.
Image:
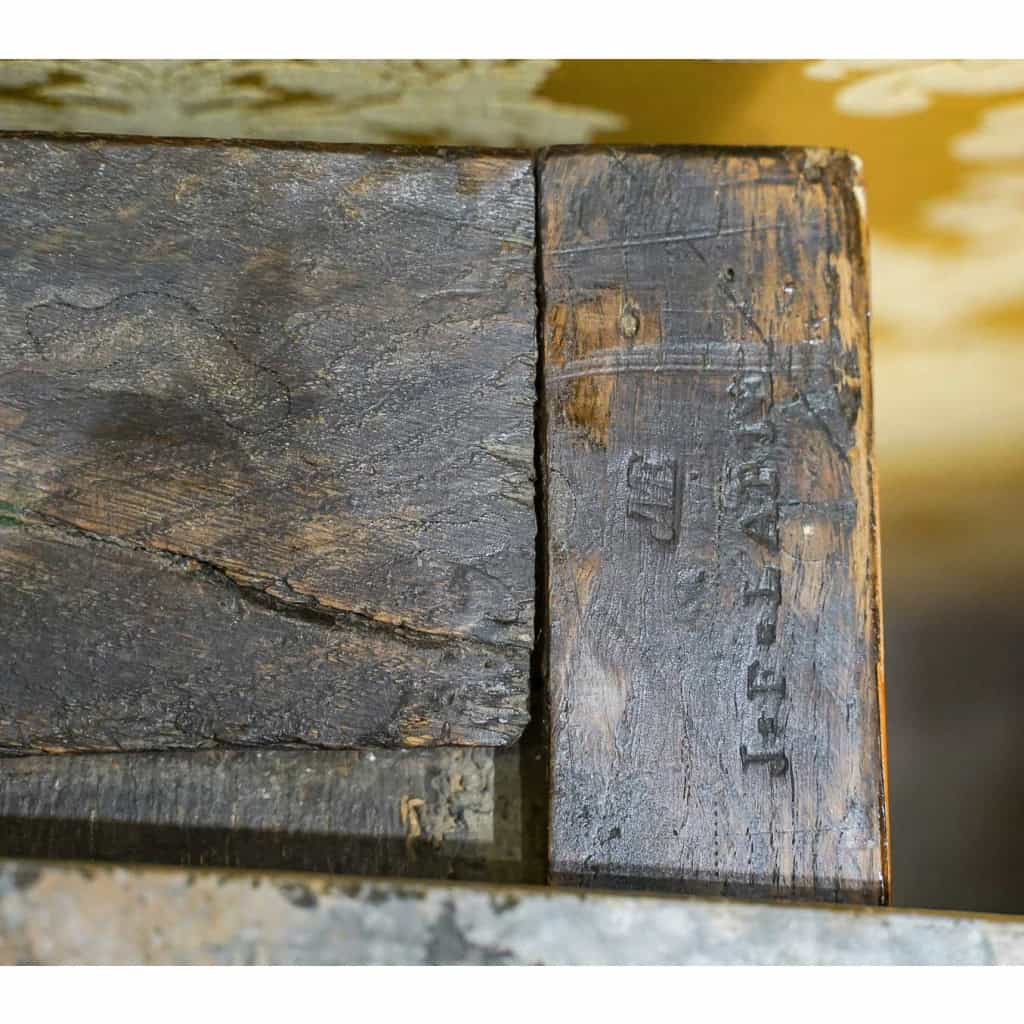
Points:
714	661
267	445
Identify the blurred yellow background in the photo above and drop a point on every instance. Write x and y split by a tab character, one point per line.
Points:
943	151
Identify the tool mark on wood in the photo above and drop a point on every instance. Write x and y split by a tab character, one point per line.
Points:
696	355
632	243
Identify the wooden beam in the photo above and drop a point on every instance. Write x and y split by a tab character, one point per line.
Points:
715	644
267	445
452	812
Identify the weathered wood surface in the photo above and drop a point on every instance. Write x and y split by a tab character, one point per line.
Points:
456	813
266	445
713	577
66	914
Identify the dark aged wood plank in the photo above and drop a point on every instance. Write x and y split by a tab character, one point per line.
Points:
266	458
439	813
715	633
68	914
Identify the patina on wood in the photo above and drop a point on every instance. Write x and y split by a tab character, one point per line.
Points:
267	445
715	679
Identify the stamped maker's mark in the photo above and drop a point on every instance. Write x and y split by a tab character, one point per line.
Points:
753	492
651	494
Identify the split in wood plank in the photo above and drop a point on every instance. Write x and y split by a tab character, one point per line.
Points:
266	468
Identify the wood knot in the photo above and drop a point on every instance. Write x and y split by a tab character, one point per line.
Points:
629	322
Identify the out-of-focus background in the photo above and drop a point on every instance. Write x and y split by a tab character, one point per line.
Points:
943	150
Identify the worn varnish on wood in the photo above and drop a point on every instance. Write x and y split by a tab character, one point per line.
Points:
711	538
266	445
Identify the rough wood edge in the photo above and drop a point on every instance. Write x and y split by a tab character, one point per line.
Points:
115	138
852	170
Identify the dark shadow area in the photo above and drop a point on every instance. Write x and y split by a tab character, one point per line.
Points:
954	672
633	878
191	846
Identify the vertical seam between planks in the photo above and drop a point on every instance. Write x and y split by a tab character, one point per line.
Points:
539	677
535	758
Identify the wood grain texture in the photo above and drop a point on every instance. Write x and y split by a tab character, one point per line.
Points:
266	445
711	538
441	813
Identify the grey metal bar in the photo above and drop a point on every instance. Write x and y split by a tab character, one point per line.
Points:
79	913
